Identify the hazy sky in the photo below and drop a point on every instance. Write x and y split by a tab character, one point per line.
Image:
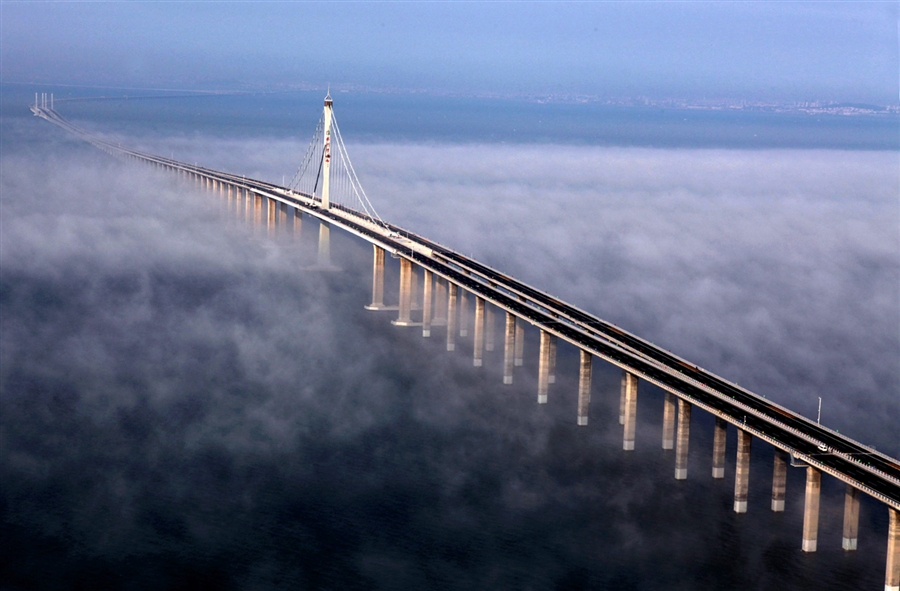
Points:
791	51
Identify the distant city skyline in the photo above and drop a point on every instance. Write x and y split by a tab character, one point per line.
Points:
832	52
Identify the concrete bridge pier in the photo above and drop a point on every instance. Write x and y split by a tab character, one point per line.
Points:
298	225
551	365
440	302
668	434
406	275
851	518
478	338
720	437
584	386
414	288
892	569
631	392
520	342
463	313
543	367
451	317
248	206
257	212
272	217
509	345
779	481
324	256
428	280
811	510
742	471
489	328
622	396
377	273
683	439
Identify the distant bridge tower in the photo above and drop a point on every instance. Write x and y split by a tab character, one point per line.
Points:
326	159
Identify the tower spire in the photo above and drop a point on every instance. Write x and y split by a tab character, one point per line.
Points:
326	154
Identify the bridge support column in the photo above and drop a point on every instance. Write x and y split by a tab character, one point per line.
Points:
720	437
551	367
440	302
451	317
414	288
478	338
463	313
324	257
622	396
668	434
509	345
406	273
584	386
377	274
428	280
779	481
811	510
257	212
520	342
298	232
683	439
489	328
742	471
543	367
892	569
851	518
272	217
631	392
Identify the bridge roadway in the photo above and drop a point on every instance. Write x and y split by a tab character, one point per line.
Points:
845	459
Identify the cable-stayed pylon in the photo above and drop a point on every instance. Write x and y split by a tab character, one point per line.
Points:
326	173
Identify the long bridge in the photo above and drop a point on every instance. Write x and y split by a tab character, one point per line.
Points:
326	188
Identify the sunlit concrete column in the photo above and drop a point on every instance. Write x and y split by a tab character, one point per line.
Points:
489	328
779	481
414	288
509	345
892	569
668	434
584	387
520	342
377	276
248	207
543	367
406	272
428	281
478	335
631	392
257	212
324	256
682	439
720	437
811	509
851	518
551	361
272	217
451	317
440	302
742	471
463	313
298	230
622	396
228	199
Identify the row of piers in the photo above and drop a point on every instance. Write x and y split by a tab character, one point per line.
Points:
447	304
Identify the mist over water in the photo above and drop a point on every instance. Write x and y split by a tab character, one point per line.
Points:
186	404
